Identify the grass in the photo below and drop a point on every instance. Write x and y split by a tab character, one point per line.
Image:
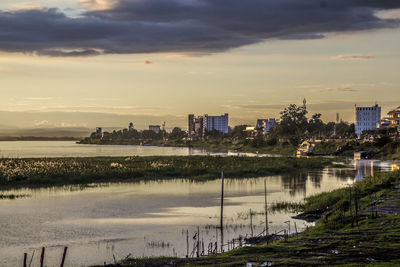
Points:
339	238
65	171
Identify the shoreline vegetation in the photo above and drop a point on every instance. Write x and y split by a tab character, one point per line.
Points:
16	173
355	226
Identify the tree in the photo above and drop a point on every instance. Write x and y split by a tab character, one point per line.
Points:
293	123
177	134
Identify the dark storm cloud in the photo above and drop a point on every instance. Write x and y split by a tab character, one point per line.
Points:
189	26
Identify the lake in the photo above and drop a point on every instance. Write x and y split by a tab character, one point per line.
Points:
151	218
50	149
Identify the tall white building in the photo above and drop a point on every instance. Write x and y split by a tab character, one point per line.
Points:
219	123
367	118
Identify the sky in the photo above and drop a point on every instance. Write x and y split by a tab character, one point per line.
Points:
105	63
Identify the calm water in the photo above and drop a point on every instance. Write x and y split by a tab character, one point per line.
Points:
38	149
119	219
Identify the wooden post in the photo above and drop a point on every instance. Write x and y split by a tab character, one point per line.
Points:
63	257
30	262
198	242
295	227
222	212
25	257
251	223
351	208
187	243
266	208
42	257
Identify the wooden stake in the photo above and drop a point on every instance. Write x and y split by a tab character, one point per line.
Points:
25	257
266	208
42	257
63	257
222	212
251	223
187	243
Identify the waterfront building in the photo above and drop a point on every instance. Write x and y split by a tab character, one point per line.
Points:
198	126
393	119
266	125
219	123
99	132
366	118
155	128
130	127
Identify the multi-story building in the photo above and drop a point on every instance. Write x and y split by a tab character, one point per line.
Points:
198	126
393	119
219	123
266	125
99	132
366	118
155	128
130	127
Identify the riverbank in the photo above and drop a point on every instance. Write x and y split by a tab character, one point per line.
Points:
64	171
355	227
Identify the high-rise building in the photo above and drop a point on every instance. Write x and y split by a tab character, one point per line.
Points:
367	118
191	125
198	126
219	123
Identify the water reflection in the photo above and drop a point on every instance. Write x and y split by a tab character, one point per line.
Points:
366	168
100	221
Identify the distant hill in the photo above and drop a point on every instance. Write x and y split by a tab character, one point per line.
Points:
54	133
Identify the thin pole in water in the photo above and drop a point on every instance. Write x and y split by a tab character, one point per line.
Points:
266	208
251	223
187	243
42	257
222	211
63	257
25	257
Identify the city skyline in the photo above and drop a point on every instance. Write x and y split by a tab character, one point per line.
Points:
250	70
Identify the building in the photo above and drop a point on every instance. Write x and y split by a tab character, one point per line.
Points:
367	118
155	128
198	126
218	123
99	132
130	127
191	125
266	125
393	119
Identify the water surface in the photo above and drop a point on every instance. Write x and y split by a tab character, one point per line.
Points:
151	218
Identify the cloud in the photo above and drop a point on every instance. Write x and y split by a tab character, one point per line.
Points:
353	57
184	26
41	123
342	88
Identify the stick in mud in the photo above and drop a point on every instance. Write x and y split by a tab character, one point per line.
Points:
266	208
25	256
63	257
251	223
42	257
222	212
33	253
187	243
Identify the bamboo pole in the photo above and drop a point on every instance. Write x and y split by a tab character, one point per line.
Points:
63	257
222	212
266	208
42	257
